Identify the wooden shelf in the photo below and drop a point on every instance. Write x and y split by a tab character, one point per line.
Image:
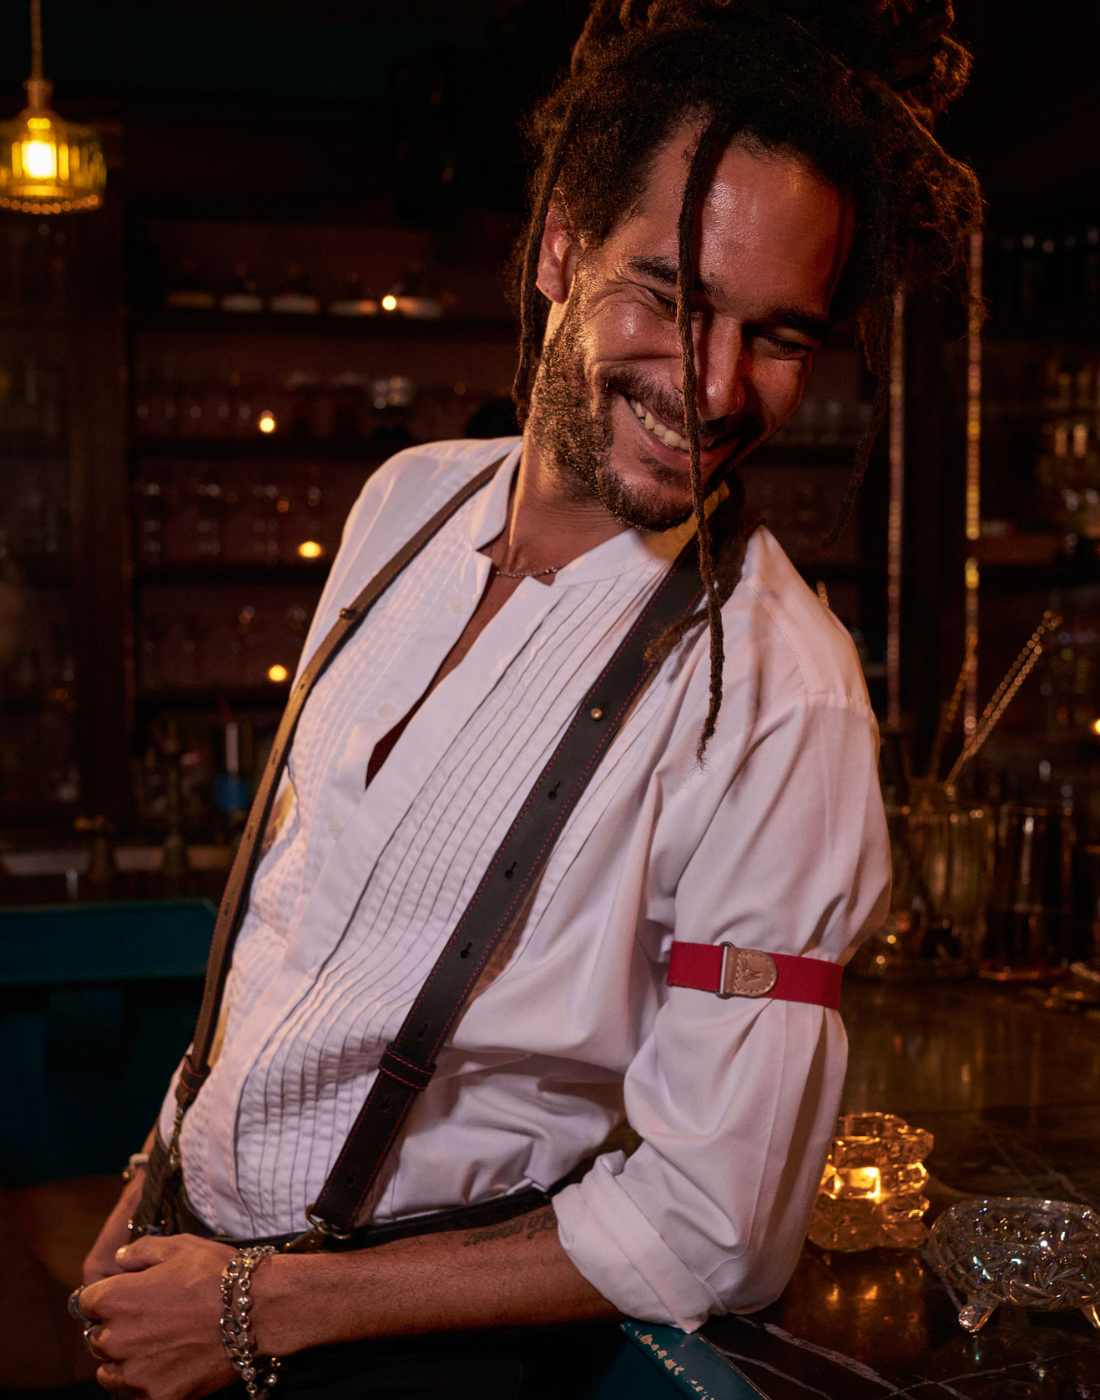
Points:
44	571
1031	561
782	454
840	573
269	697
262	449
1079	325
1025	550
1072	573
279	448
40	451
233	573
383	327
23	707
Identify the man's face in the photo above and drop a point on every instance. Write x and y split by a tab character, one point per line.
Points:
608	407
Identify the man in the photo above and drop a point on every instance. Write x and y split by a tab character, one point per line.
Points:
750	181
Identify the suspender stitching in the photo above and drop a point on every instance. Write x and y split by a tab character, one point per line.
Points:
407	1082
409	1064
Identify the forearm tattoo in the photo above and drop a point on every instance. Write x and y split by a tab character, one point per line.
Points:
539	1222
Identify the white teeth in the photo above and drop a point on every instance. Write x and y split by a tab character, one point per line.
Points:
669	436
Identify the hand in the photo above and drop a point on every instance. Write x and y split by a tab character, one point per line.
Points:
160	1319
102	1258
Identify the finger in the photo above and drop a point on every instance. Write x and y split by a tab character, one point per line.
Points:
146	1251
109	1376
89	1295
98	1341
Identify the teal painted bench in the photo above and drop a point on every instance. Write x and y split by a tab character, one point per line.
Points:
97	1004
661	1363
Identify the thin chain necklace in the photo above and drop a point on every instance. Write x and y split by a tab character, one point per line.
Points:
529	573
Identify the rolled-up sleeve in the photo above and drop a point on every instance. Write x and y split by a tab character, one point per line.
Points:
735	1100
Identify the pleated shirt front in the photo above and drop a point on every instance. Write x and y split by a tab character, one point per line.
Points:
358	890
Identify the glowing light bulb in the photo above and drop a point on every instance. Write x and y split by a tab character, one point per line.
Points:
310	549
277	674
266	421
40	160
1095	726
389	303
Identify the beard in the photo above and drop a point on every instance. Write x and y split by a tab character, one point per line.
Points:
579	438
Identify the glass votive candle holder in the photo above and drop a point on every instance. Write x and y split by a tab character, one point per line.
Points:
871	1191
1036	1254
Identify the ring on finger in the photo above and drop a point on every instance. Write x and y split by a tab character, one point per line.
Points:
75	1310
93	1350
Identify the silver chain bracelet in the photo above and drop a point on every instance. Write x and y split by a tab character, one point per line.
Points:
236	1322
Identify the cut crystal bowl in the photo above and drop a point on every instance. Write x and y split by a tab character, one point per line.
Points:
1041	1255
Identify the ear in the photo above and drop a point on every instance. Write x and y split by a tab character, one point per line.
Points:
558	255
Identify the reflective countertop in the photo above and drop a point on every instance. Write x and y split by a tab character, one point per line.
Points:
1011	1091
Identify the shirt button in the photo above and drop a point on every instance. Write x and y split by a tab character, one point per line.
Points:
336	829
387	711
458	603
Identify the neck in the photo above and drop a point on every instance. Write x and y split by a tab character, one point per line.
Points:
550	522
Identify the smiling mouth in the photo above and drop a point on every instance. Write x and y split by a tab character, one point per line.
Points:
661	431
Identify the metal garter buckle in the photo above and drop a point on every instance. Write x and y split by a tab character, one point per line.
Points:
746	972
314	1238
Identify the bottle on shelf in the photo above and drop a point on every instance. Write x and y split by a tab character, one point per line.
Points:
189	290
242	296
294	297
242	407
1092	267
266	520
410	296
232	786
162	418
348	406
191	420
301	388
304	536
1033	273
353	300
210	518
392	396
149	523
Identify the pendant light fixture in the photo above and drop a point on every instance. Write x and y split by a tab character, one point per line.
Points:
47	165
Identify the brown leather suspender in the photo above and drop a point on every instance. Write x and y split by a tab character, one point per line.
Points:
408	1062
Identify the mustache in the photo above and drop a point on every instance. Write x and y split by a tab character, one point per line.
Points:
741	428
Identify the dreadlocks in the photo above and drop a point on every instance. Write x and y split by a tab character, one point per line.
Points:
851	87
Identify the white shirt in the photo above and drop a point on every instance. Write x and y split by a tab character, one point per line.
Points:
777	843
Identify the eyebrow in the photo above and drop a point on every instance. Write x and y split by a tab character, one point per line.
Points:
665	271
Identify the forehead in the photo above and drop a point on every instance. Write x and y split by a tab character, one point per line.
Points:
770	225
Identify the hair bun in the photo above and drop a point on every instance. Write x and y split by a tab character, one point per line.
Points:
906	44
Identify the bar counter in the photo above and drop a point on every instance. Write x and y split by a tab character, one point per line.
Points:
1011	1092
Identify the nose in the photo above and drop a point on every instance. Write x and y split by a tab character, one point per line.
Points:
723	367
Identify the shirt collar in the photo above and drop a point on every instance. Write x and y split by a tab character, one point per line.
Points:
628	550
